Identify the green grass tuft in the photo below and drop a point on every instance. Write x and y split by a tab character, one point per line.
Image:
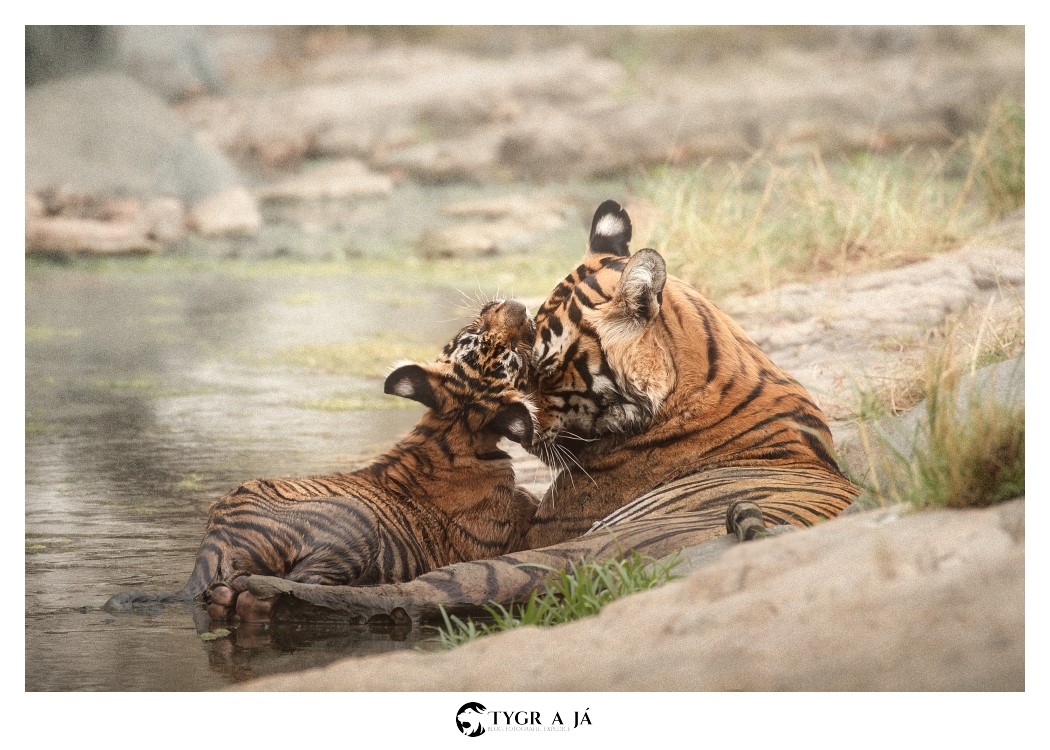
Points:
582	590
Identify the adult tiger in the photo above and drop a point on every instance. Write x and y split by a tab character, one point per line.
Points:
444	494
643	381
667	421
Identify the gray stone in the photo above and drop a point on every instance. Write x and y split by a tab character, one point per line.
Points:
107	136
883	600
348	178
233	213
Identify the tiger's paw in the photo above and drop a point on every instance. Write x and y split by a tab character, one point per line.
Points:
234	601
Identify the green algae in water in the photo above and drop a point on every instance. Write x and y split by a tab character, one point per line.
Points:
37	544
215	635
354	402
42	333
302	298
151	387
126	384
530	272
192	483
367	357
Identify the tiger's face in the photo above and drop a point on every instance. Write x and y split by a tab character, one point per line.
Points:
481	377
600	367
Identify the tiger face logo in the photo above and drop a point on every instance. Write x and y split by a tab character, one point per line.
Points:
468	719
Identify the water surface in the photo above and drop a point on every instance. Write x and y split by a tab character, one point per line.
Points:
149	393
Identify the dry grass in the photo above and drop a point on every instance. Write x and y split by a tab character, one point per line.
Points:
754	225
972	339
968	449
999	159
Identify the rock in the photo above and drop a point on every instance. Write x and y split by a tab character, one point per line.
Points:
349	178
545	212
469	158
857	317
344	140
550	144
472	240
75	235
232	213
174	61
510	221
553	109
484	238
166	219
35	207
882	600
61	221
106	136
868	453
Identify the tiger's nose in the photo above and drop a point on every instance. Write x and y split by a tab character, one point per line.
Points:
516	318
515	312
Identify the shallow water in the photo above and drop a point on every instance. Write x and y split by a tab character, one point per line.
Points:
148	395
154	386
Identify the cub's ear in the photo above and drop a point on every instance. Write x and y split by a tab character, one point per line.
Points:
513	421
414	382
641	287
610	230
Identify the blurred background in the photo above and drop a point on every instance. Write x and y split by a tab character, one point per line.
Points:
233	232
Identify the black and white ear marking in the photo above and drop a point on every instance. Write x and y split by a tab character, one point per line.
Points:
411	381
513	422
610	230
641	287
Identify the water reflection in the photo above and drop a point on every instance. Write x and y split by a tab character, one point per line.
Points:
148	395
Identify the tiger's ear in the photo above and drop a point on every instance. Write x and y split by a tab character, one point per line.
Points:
640	291
514	422
414	382
610	230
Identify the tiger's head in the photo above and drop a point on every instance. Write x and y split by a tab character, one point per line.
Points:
601	368
479	381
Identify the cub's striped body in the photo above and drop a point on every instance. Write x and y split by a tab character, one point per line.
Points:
668	424
443	494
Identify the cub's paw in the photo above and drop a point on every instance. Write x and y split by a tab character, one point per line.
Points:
233	601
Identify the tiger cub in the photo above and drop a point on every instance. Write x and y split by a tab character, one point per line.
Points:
443	494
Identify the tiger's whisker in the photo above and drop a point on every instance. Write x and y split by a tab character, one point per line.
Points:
568	454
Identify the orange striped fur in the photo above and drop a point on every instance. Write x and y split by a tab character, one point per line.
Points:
444	494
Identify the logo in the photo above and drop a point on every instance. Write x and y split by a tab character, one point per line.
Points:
469	719
473	720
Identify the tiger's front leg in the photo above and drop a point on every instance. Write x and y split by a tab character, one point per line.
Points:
227	600
463	588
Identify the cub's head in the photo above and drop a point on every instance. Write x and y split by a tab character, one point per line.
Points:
600	366
478	381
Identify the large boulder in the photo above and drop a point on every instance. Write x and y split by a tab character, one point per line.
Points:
173	61
95	141
883	600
